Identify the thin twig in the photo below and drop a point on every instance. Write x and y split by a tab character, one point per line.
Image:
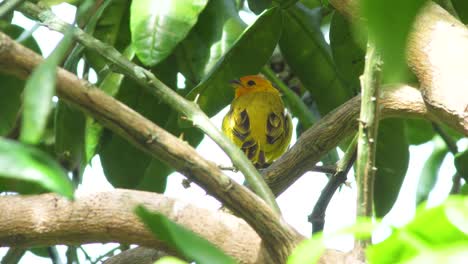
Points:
451	144
53	255
317	218
157	88
367	135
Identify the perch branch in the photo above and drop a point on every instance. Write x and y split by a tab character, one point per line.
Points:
50	219
20	61
149	81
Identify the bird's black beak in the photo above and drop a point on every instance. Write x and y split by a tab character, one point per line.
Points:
235	83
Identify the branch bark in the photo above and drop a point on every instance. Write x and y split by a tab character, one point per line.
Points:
49	219
277	235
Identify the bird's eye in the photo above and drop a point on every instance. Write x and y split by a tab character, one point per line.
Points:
251	83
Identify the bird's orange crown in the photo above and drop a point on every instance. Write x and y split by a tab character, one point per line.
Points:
251	84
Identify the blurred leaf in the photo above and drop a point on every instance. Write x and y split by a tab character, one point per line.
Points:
170	260
464	189
12	87
157	26
310	250
189	244
309	56
245	57
430	171
453	254
218	27
38	93
40	251
93	130
461	6
347	53
419	131
461	163
21	162
398	15
392	157
258	6
432	229
110	24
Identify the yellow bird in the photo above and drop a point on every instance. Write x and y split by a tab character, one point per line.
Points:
257	121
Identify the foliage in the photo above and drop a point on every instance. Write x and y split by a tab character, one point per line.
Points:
196	47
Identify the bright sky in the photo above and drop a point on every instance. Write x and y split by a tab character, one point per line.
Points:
296	203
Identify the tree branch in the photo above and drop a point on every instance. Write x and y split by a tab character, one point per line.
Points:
153	85
368	132
278	236
328	132
49	219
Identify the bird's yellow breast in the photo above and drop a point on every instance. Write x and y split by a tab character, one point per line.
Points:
259	125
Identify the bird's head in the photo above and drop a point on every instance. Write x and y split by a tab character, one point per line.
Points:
251	84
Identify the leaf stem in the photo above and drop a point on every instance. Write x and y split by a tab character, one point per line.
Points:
368	129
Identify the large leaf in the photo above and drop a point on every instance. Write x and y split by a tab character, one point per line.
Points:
430	171
246	57
157	26
25	163
419	131
110	24
397	15
347	53
218	27
189	244
258	6
38	93
306	51
461	6
432	229
392	157
10	96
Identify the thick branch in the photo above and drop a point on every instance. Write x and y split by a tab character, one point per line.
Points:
328	132
48	219
20	61
437	52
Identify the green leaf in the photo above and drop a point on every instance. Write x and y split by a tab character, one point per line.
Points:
461	6
21	162
431	230
398	15
430	171
189	244
258	6
218	27
419	131
347	53
38	94
110	24
69	136
461	163
453	254
12	87
245	57
309	56
157	26
392	157
124	164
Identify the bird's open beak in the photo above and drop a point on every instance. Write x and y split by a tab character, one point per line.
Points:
235	83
